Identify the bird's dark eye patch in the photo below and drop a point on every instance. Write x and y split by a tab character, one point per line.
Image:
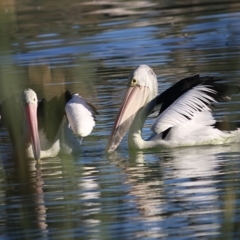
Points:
134	81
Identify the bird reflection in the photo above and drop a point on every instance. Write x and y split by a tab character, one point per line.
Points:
26	211
39	200
175	184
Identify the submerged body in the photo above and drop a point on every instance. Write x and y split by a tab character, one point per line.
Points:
42	130
185	117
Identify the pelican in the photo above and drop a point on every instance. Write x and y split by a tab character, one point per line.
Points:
38	128
185	117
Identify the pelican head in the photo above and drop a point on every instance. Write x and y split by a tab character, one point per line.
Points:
142	89
30	104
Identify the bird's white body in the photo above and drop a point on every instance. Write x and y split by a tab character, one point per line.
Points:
69	142
42	129
184	119
197	131
48	148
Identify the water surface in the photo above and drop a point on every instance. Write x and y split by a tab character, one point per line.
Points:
90	47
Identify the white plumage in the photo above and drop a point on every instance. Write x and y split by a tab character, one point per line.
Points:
185	117
41	129
184	108
80	116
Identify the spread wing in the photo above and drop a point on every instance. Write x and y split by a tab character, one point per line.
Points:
188	96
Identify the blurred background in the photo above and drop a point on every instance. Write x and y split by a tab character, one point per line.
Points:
90	47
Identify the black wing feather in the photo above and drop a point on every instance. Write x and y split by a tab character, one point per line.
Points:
50	114
220	94
68	96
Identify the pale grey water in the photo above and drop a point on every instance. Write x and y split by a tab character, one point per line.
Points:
90	47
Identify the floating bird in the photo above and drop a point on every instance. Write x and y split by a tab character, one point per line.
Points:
38	128
185	117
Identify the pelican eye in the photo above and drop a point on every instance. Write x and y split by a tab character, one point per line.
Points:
133	82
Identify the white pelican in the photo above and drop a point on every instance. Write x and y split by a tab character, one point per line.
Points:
38	128
184	119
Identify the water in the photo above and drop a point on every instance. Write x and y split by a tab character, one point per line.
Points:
90	48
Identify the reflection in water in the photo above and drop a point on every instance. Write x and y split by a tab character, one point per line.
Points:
193	182
90	47
178	194
25	211
89	196
39	199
